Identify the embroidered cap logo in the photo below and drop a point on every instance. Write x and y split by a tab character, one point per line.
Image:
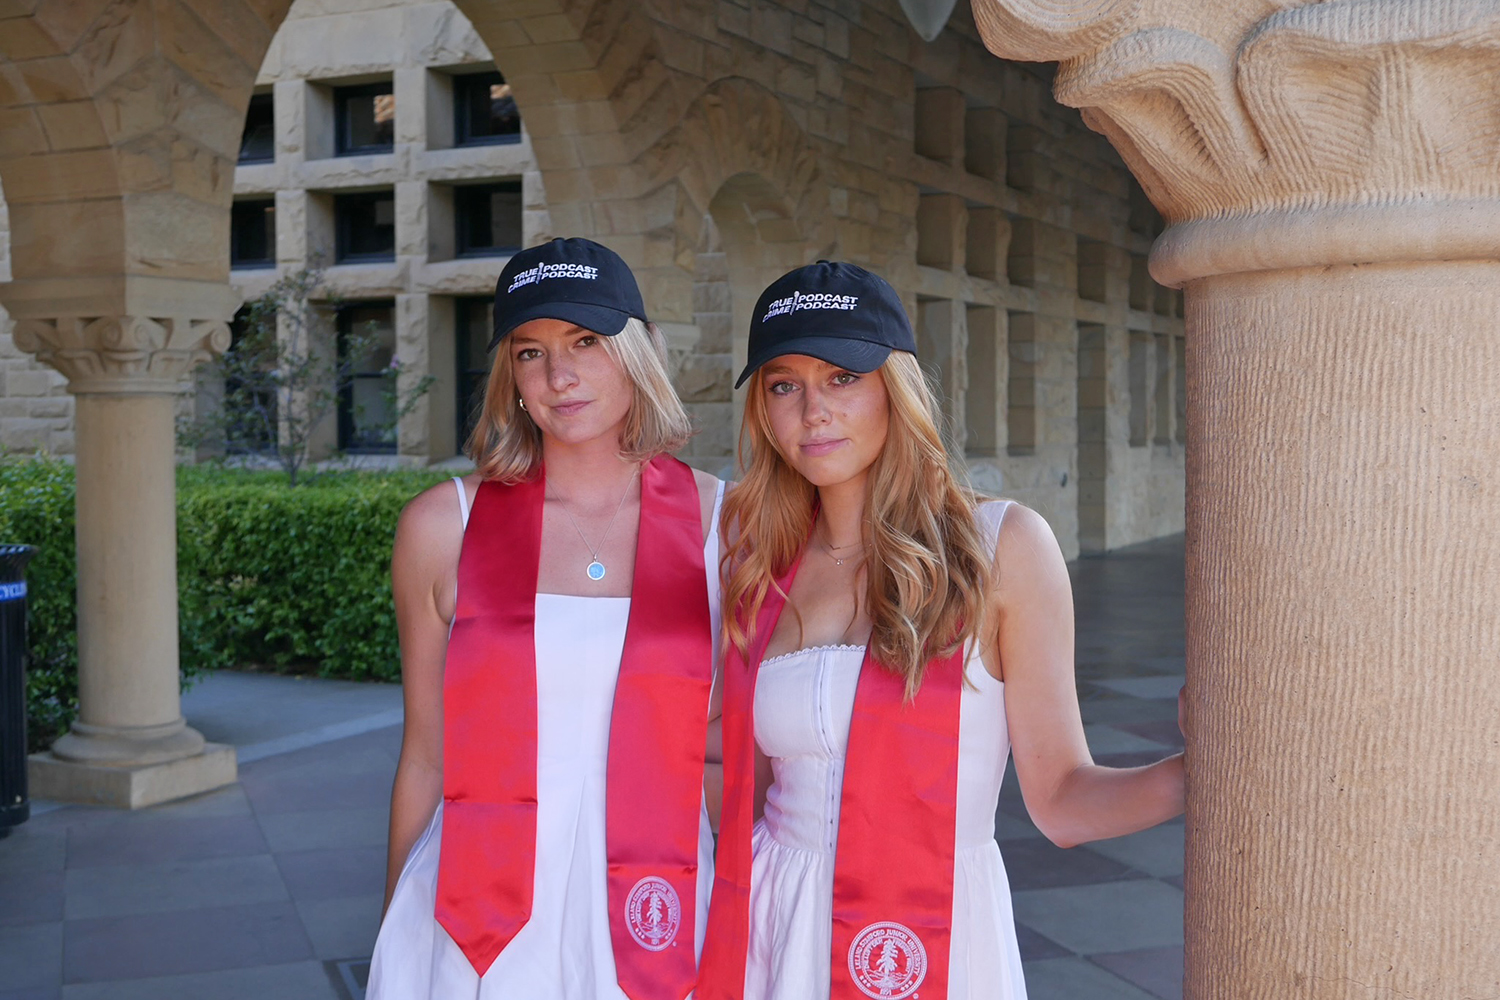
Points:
542	272
797	301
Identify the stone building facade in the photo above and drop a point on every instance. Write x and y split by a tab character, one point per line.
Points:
1328	184
1016	236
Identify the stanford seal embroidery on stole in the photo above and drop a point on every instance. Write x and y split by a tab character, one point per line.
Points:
887	961
653	913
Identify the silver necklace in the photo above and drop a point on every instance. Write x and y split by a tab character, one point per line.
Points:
595	569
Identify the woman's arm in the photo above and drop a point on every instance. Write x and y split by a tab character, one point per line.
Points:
424	570
1071	799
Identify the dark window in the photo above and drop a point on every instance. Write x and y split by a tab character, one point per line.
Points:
488	217
252	233
476	323
258	142
249	392
366	119
365	226
367	406
486	112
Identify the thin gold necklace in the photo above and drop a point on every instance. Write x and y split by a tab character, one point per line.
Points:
833	549
595	568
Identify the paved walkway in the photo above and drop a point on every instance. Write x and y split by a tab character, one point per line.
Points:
272	888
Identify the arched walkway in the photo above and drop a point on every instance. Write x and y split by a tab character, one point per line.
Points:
120	128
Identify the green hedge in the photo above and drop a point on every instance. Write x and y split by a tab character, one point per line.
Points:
290	579
36	508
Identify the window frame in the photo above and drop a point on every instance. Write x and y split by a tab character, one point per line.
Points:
469	383
342	227
256	263
343	326
268	101
341	131
464	87
463	221
237	332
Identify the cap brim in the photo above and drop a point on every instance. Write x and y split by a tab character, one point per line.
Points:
853	355
600	319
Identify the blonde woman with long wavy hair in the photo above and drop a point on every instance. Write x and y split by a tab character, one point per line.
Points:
558	617
927	634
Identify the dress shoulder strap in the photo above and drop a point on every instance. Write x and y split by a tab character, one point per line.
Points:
711	545
991	515
463	500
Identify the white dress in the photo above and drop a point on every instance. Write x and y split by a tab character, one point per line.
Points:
564	952
803	704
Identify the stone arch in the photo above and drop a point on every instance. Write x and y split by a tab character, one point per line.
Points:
751	202
121	132
756	224
584	73
120	129
736	128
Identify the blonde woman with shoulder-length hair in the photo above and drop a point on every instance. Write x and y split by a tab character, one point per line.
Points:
558	615
506	444
866	733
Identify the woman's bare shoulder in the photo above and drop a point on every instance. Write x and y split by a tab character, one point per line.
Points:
432	521
1027	555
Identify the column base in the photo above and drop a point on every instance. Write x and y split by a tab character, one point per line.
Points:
127	746
131	786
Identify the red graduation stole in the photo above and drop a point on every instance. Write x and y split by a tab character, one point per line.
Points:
658	728
893	870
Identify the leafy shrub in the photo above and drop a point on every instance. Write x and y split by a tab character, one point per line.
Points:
291	578
36	508
267	574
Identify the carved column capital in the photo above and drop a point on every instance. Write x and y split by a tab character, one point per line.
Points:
122	354
1283	134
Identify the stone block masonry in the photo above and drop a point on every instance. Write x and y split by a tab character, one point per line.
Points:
716	145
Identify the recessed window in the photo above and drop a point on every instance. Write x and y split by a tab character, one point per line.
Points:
476	324
365	226
366	118
250	389
252	233
1163	390
1020	409
1140	376
367	405
485	110
258	142
487	218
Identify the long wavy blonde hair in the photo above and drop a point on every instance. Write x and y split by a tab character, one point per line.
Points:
926	564
506	445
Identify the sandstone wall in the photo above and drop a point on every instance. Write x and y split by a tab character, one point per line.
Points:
717	143
36	412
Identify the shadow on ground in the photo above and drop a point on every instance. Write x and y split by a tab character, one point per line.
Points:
272	888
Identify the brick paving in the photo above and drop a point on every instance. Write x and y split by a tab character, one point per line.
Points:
272	888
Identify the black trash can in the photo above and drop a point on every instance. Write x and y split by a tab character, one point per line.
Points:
15	807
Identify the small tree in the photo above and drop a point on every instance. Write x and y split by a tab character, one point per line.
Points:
282	381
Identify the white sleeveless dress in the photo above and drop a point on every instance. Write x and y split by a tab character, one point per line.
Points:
564	952
803	705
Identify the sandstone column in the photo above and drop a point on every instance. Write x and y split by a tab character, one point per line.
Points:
130	746
1330	174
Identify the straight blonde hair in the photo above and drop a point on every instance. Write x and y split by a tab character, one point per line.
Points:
927	567
506	445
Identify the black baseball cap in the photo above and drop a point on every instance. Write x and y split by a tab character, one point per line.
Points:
574	280
835	312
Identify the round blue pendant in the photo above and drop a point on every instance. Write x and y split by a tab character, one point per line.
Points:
596	570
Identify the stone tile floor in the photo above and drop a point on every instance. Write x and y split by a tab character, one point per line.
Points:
272	888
